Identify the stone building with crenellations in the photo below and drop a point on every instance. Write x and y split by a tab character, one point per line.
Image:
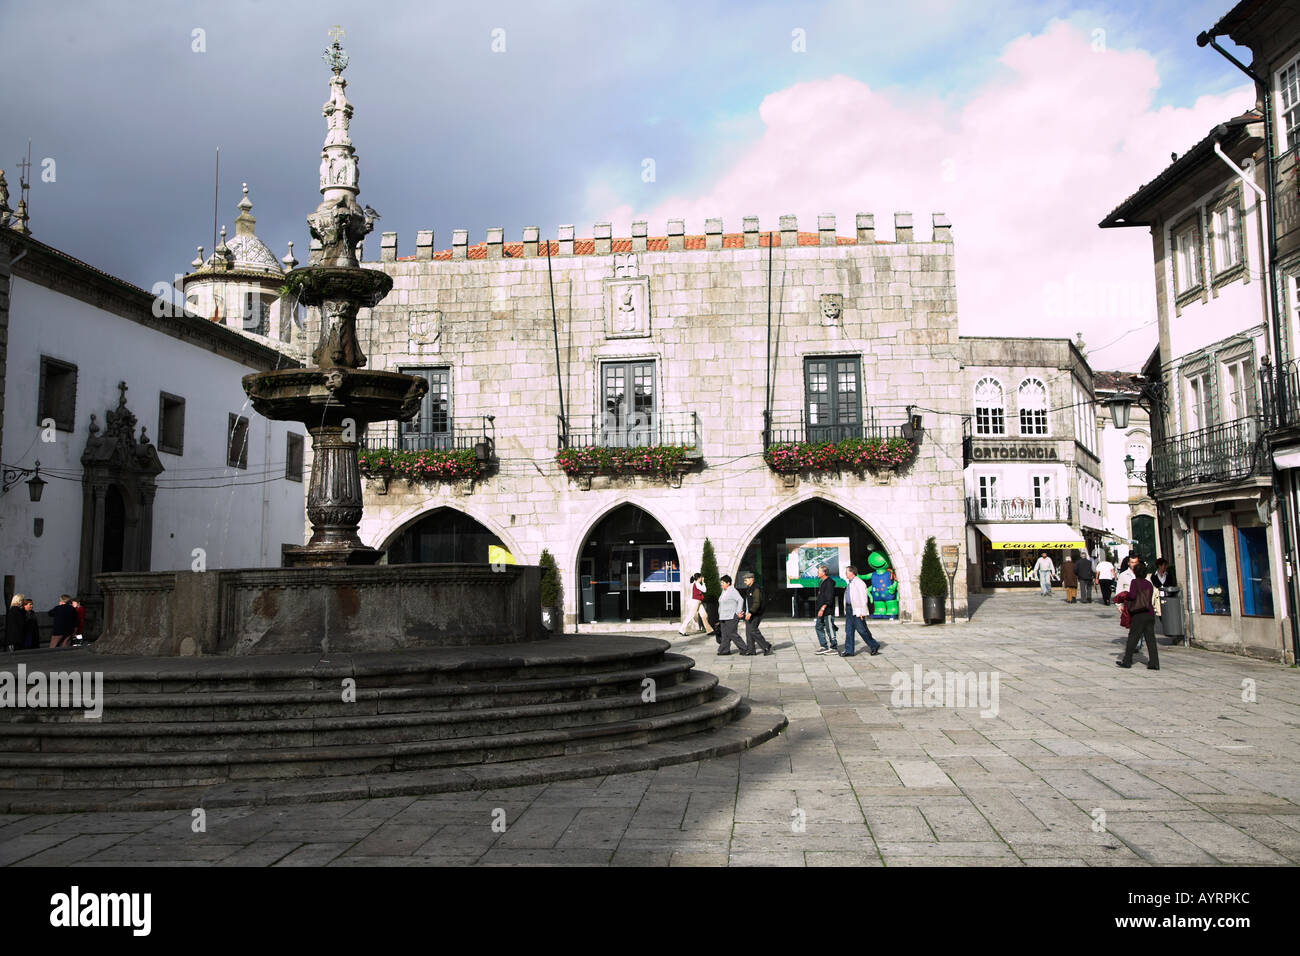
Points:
616	401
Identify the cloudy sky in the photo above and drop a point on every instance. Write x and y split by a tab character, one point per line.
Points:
1026	122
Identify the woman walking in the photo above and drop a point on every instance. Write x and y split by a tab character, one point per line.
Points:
15	624
1139	600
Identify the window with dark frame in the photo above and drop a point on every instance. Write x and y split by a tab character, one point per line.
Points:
293	452
629	418
833	397
237	442
57	398
432	427
171	423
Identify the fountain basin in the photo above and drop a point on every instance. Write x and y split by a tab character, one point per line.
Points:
329	397
252	611
317	284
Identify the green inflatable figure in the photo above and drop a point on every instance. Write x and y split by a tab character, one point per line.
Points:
884	589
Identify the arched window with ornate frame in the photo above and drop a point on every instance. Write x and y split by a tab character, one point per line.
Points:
990	415
1031	397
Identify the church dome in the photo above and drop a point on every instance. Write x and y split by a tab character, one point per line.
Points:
244	252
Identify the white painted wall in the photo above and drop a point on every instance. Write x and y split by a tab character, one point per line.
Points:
236	515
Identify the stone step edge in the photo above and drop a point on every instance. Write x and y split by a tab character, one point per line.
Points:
695	683
404	661
671	664
753	726
722	701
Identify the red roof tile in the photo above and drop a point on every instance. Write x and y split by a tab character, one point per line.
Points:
587	247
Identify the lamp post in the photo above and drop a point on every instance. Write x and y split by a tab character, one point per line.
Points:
35	485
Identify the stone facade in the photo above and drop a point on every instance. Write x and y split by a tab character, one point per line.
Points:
696	306
1036	465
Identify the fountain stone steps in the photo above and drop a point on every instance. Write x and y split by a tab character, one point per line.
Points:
88	736
220	722
219	706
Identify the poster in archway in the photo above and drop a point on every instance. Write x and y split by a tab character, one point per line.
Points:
659	569
803	555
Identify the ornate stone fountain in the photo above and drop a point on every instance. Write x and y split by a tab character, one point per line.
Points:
334	398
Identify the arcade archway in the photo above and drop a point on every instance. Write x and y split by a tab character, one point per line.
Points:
443	536
785	553
628	569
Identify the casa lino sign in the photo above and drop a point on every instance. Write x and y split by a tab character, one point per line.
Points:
1014	453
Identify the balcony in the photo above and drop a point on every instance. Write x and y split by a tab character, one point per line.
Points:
1020	509
1280	395
666	446
1229	451
782	429
475	433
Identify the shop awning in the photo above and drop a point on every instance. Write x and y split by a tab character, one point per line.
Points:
1031	537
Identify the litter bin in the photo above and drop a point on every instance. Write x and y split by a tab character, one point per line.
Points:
1171	612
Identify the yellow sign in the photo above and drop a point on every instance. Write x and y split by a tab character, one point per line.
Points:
499	555
1037	545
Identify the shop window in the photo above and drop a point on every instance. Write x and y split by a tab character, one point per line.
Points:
1214	571
1256	576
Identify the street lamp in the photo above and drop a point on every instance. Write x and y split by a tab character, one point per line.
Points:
1128	465
35	485
1119	409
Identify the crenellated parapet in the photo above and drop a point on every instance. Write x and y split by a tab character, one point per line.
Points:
675	238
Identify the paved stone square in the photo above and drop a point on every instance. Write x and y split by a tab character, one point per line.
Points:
1083	764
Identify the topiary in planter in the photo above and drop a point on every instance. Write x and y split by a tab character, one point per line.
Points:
934	587
712	586
552	591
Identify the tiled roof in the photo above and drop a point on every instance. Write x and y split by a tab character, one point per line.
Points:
587	247
1116	382
1119	215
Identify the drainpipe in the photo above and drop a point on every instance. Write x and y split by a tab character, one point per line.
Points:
1288	501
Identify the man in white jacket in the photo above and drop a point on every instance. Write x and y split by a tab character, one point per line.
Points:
856	611
1045	570
731	608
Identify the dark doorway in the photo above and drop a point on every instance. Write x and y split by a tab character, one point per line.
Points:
114	531
444	536
1144	536
815	521
633	567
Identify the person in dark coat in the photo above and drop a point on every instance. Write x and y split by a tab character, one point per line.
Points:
1069	580
754	617
1083	570
64	616
1142	619
31	626
15	623
825	623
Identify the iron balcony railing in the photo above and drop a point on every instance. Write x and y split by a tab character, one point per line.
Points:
795	428
1229	451
1280	394
476	432
1020	509
629	431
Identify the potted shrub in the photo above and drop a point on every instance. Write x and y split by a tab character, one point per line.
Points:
712	586
934	587
552	593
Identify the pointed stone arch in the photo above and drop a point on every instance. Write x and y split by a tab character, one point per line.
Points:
383	533
904	572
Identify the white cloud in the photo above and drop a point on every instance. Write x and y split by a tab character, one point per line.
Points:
1025	167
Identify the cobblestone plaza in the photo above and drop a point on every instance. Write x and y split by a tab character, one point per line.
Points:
1082	765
